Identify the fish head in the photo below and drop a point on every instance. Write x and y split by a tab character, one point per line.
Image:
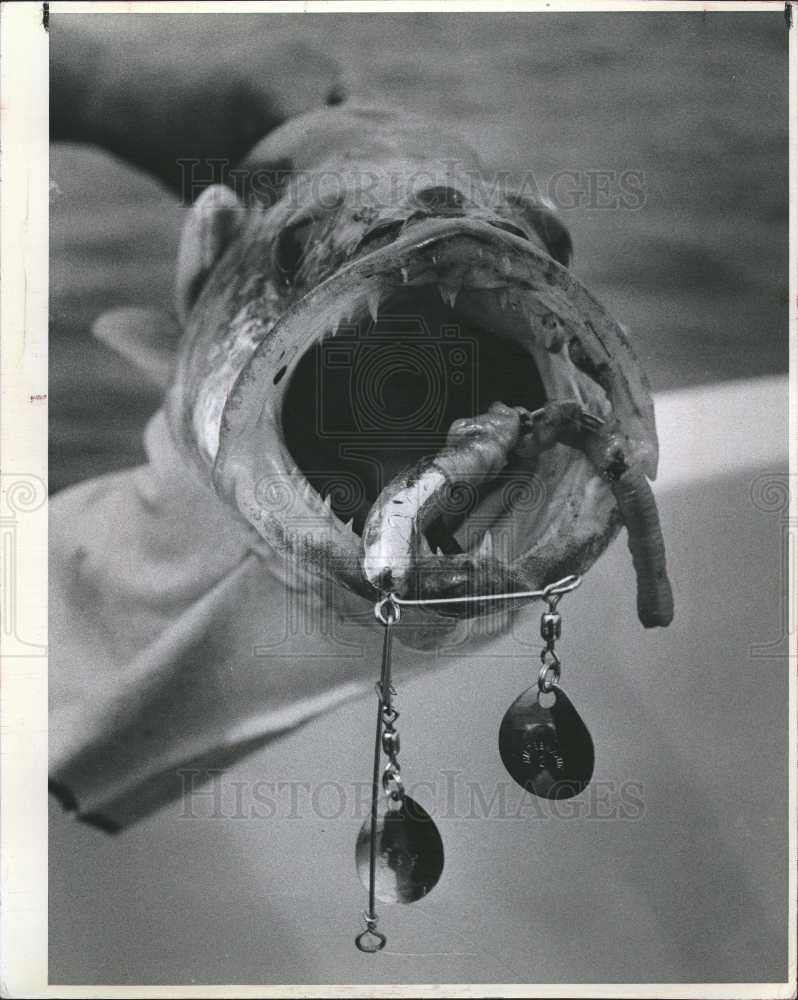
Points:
367	286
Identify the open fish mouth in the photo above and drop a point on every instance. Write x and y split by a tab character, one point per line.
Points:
413	353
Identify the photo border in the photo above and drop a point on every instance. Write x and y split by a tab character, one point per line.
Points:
24	266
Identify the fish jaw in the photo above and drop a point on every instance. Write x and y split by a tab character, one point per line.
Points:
485	275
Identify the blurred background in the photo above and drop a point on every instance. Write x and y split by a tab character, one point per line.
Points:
696	103
694	886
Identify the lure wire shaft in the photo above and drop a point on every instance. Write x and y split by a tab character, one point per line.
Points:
384	692
564	586
383	704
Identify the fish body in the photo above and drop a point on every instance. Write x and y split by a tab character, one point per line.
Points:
361	292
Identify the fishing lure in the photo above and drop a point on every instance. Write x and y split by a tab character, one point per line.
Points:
544	745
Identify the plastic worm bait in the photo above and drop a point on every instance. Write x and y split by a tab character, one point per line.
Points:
639	513
393	536
476	451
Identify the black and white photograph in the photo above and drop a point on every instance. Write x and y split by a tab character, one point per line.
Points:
417	500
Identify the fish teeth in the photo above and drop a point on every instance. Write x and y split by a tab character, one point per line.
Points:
485	549
449	295
504	298
506	264
341	318
373	300
405	275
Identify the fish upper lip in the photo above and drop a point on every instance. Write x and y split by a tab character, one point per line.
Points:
471	262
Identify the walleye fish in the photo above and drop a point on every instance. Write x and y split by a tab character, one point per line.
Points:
381	377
